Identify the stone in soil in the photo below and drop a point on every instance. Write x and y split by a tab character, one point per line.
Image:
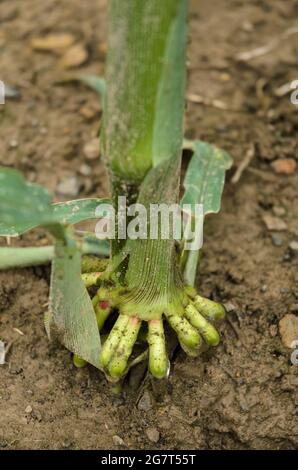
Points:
145	402
276	239
118	441
293	246
85	170
91	149
274	223
153	435
288	328
284	166
69	187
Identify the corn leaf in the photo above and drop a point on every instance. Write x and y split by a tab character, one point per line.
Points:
168	123
78	210
71	318
205	176
203	184
24	206
145	78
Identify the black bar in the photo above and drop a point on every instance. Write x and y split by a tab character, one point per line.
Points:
138	458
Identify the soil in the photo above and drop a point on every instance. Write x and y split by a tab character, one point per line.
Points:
241	395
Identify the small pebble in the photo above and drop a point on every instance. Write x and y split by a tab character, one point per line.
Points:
279	211
285	166
118	441
276	239
91	149
230	307
13	144
153	435
89	112
274	223
85	170
28	409
247	26
264	288
294	246
288	328
145	402
69	186
74	56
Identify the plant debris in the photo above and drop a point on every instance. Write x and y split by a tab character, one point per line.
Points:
53	42
244	164
263	50
74	57
2	353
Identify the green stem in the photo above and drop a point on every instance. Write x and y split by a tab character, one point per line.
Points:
24	257
153	277
11	257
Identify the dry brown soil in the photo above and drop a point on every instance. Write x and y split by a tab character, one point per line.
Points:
243	395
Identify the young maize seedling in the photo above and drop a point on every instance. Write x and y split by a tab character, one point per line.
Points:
146	280
142	142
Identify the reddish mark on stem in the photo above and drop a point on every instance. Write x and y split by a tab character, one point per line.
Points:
134	321
104	304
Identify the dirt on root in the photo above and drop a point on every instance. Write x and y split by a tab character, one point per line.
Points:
243	394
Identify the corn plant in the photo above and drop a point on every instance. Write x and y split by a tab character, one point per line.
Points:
107	295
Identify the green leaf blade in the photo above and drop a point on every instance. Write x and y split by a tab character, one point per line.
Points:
71	318
78	210
168	122
24	206
205	177
203	184
145	79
